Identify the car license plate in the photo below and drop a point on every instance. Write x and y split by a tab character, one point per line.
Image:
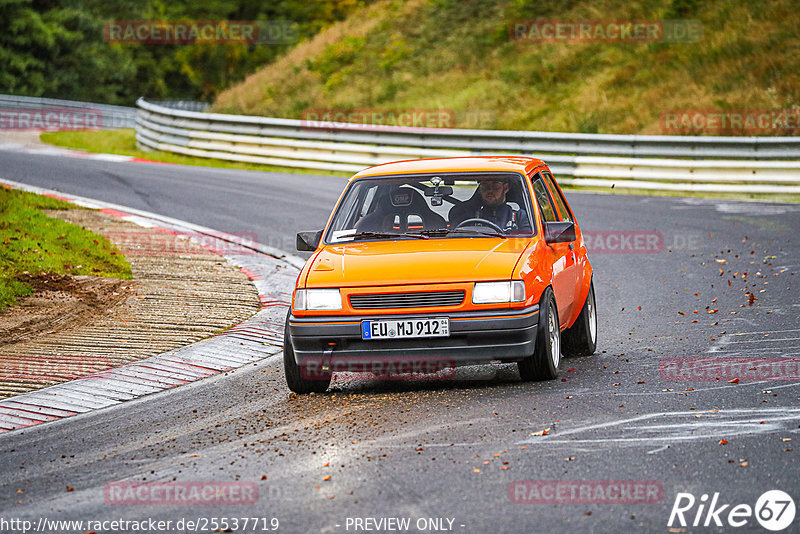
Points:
406	328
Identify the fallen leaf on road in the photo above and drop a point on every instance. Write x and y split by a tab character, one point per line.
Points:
723	442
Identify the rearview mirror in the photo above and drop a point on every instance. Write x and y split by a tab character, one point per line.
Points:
442	190
308	241
559	232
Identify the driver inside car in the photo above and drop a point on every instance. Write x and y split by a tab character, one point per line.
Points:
490	204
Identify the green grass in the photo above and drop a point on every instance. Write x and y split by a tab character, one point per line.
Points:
32	243
457	55
123	142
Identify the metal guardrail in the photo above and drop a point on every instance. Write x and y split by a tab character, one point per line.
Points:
723	164
186	105
111	117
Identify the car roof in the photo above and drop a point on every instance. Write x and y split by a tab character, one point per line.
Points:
520	164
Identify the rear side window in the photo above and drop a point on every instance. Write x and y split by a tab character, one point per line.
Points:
545	204
562	204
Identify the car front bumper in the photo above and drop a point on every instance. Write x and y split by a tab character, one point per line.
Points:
475	337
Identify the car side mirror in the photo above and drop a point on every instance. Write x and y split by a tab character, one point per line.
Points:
559	232
308	241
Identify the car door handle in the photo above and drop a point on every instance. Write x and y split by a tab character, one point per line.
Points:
571	246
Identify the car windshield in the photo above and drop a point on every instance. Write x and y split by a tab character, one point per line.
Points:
441	206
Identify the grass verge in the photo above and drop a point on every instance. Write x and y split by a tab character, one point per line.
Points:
123	142
34	243
467	57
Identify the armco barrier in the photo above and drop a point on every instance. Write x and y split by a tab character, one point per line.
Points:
712	164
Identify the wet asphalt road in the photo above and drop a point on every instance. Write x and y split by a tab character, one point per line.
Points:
453	448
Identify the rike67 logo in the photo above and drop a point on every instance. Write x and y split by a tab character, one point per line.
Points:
774	510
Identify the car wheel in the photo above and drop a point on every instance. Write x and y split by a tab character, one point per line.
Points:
294	373
543	364
581	338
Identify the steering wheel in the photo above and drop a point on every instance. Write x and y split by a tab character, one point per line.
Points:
476	221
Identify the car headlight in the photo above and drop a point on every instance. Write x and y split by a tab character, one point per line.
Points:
317	299
497	292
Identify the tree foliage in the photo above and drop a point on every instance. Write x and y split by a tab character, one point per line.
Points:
56	49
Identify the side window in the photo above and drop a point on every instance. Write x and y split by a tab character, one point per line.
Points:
560	202
543	199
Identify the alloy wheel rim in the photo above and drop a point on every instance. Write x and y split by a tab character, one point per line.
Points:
592	317
555	338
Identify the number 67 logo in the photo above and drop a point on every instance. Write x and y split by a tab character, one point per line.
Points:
775	510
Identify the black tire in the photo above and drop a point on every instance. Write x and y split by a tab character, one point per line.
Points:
294	373
581	338
543	363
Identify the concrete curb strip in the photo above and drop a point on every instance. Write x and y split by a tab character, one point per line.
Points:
272	271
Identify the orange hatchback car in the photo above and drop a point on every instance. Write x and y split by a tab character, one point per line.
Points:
429	264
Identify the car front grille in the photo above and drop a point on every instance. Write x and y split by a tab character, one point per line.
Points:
428	299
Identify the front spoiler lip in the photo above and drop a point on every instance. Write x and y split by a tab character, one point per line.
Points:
475	337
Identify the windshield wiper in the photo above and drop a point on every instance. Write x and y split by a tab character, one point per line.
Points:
381	235
445	231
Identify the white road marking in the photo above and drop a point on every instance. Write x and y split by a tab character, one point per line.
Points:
648	429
